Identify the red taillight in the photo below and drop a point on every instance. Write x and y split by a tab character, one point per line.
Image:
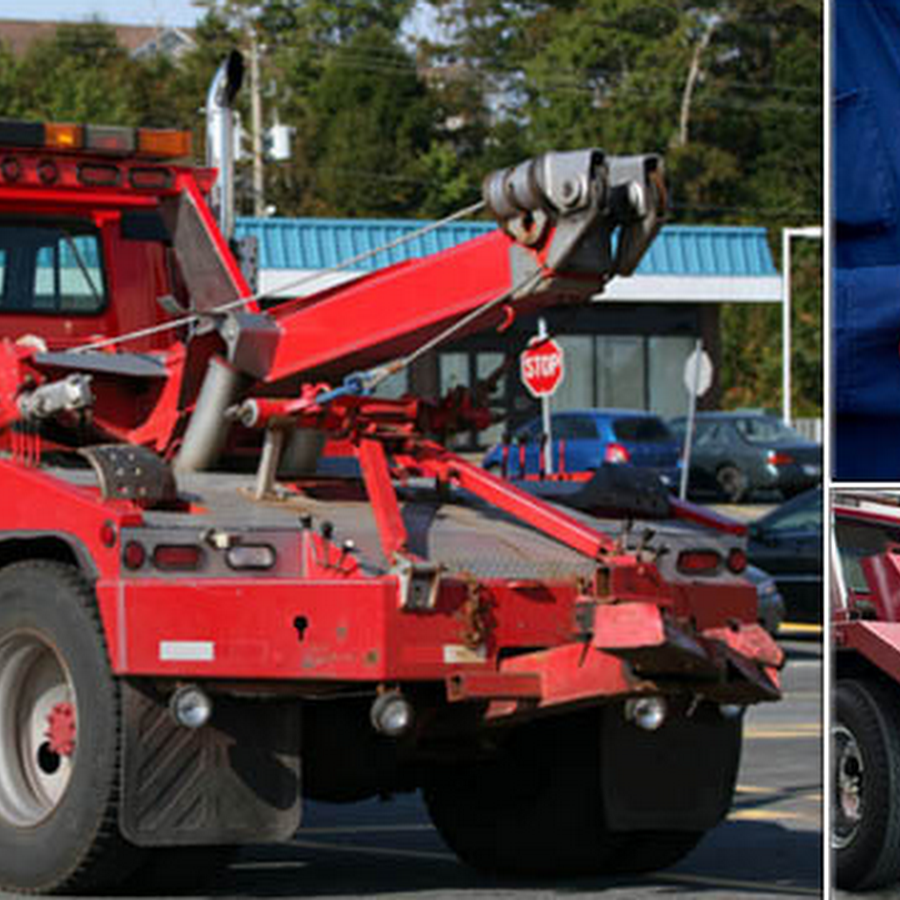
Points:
777	458
177	557
699	562
134	555
737	561
108	534
616	453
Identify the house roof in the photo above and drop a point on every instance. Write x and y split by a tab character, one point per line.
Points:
19	34
686	263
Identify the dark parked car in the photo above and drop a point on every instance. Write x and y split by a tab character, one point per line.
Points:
770	603
735	454
787	543
586	439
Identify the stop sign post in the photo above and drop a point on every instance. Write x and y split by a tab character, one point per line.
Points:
698	375
542	369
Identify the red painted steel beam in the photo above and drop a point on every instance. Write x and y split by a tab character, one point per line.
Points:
383	497
879	642
493	686
389	313
551	521
573	673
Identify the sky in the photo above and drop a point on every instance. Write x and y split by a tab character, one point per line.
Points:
125	12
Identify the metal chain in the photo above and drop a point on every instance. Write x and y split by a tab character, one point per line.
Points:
299	282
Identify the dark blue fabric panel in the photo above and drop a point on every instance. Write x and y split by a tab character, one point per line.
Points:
866	337
866	341
867	448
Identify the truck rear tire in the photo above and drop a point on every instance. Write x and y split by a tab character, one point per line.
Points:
537	810
59	737
866	760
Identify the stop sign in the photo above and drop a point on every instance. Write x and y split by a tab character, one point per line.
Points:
541	367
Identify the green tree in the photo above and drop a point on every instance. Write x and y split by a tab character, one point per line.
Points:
79	74
374	124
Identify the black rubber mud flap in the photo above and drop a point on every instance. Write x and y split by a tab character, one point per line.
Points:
236	780
680	777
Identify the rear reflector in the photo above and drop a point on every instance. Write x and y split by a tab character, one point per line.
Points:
150	179
11	169
134	555
177	557
699	562
737	561
99	174
47	171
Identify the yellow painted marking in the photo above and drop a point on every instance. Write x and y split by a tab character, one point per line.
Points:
786	629
754	789
795	731
786	794
769	815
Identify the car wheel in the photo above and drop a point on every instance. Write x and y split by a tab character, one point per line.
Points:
865	832
732	483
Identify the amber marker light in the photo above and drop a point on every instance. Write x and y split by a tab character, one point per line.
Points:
164	143
63	137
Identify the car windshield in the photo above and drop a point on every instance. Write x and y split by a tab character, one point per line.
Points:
641	430
803	513
766	430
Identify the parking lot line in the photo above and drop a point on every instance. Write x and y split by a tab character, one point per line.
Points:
792	733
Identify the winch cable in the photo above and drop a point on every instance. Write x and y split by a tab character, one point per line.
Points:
383	372
302	281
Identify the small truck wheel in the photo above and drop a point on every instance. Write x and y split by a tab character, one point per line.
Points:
865	833
59	735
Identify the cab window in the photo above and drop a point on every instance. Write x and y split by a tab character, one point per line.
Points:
50	268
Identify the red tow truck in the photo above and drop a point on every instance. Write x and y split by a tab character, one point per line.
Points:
199	630
865	730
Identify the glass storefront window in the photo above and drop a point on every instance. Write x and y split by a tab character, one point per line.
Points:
667	357
620	372
576	390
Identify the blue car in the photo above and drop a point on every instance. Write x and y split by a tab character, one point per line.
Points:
586	439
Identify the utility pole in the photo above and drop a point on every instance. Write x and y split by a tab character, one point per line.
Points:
256	125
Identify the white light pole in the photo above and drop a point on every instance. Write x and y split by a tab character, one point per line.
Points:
786	235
